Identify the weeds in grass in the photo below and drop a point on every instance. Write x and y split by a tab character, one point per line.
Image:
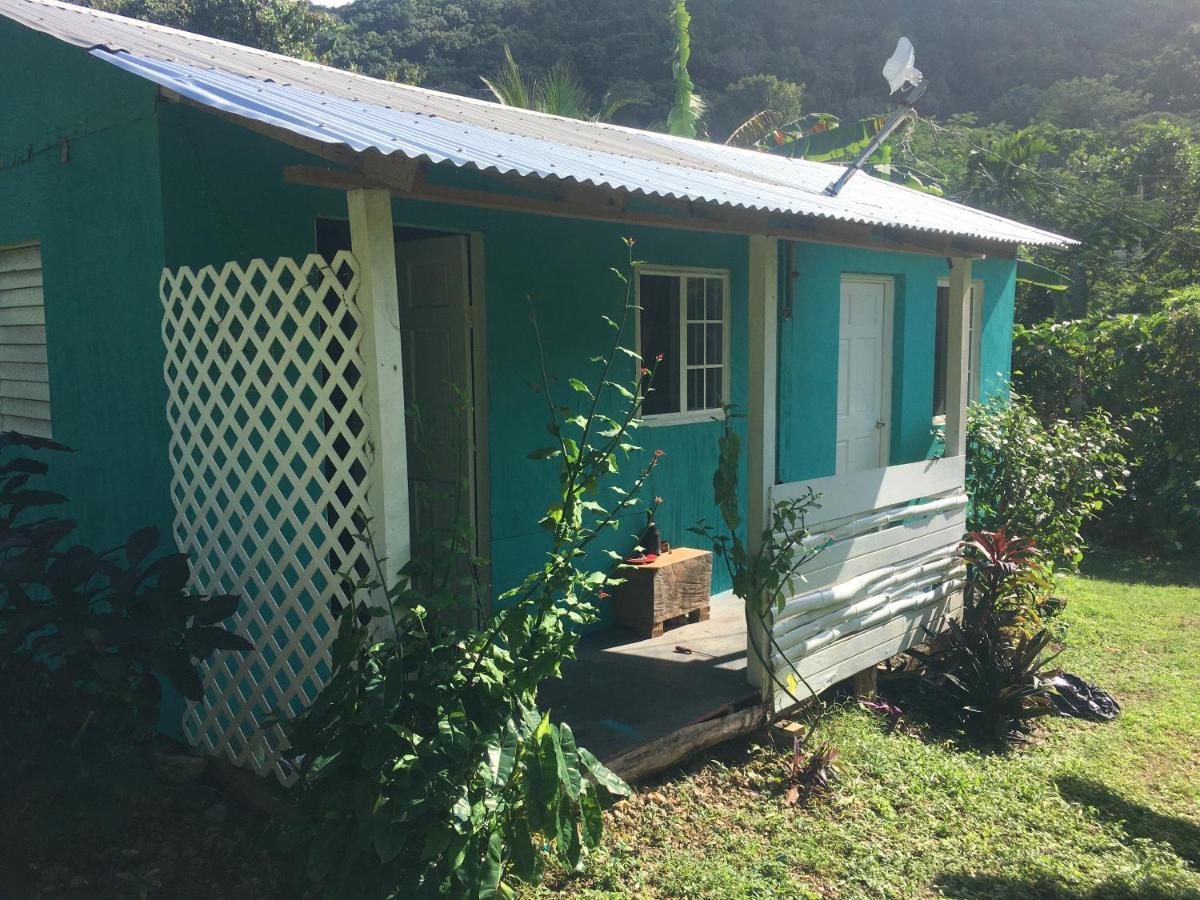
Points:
810	775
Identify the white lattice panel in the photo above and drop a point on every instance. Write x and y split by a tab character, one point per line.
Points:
270	451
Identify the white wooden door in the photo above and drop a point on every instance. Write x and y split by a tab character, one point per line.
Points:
433	282
864	374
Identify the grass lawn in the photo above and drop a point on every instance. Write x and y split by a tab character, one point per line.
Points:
1109	810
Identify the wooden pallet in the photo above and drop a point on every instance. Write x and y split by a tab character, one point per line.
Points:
669	592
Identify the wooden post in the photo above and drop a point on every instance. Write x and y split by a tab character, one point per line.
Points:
865	683
958	349
373	246
761	439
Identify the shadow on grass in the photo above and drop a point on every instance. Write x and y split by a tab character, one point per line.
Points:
928	715
1135	820
1158	571
1046	887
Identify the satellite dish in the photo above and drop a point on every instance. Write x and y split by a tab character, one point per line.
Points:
899	70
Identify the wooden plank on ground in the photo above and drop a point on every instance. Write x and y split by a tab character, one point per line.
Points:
657	755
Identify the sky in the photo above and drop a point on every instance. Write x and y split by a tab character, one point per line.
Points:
330	2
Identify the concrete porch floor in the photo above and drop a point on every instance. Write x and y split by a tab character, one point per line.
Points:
622	692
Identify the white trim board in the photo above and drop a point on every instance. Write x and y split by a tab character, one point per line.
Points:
861	492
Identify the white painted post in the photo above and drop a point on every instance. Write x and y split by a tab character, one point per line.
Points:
373	246
958	350
760	420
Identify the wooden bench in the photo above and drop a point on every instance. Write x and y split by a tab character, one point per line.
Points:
673	590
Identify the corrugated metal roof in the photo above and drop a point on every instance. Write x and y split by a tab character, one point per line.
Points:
344	108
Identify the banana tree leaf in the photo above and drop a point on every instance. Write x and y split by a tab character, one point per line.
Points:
822	138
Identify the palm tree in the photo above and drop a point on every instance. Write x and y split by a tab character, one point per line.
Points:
559	92
1001	172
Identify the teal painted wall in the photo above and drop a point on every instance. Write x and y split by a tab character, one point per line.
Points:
109	219
215	211
97	214
809	348
999	277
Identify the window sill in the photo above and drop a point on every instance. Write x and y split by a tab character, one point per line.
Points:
660	420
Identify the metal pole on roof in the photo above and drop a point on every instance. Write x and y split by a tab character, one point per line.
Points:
900	74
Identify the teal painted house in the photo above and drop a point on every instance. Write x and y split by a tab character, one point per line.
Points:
225	274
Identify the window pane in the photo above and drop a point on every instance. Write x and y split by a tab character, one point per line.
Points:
695	344
695	298
716	300
659	321
695	390
939	351
713	396
715	341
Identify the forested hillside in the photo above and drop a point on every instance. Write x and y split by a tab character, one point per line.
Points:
1002	61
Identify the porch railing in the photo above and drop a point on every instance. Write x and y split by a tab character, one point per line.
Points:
887	569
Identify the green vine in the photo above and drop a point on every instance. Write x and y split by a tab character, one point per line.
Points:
766	576
425	767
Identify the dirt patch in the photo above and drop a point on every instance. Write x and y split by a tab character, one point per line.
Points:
94	819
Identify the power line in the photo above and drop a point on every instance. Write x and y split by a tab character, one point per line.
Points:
1058	186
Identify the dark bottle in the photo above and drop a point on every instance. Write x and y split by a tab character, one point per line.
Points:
651	540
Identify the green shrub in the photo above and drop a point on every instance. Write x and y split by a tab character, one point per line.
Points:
1144	371
425	767
1041	481
98	629
989	668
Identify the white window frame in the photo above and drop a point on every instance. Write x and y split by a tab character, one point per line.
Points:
686	416
975	352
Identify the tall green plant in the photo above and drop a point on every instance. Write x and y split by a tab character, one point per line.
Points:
766	575
426	767
1139	369
1041	481
990	667
687	110
559	92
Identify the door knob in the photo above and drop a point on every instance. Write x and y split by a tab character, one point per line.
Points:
881	424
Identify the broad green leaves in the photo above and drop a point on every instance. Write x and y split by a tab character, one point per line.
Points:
1040	481
426	768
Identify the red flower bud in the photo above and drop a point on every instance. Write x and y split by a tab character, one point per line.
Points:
658	453
658	358
603	595
645	371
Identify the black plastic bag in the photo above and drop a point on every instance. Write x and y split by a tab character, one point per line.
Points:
1076	698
